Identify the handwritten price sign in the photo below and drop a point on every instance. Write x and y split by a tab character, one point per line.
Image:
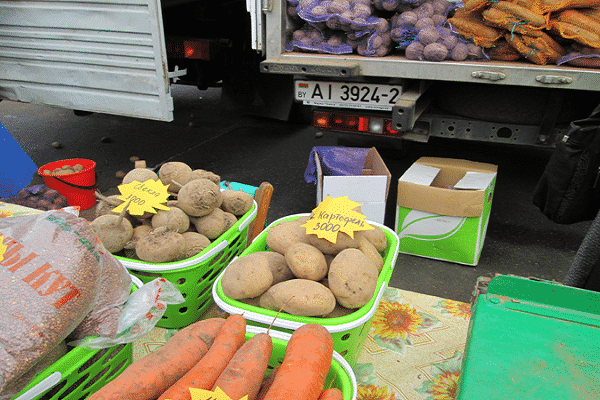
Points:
335	215
143	197
218	394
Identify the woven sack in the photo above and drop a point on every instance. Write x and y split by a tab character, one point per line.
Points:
514	18
547	6
541	49
503	51
472	27
577	26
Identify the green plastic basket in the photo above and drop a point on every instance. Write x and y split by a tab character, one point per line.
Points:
348	331
80	372
340	374
194	276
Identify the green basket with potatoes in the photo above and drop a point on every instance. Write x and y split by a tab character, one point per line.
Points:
194	276
340	374
348	331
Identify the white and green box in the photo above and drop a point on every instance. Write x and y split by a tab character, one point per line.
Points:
444	207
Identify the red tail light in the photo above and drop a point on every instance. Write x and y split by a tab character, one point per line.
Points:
354	123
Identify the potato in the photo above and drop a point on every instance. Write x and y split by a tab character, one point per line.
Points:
279	268
236	202
306	261
194	243
230	220
302	297
376	236
199	197
138	232
204	174
435	52
343	241
339	311
175	174
247	276
113	231
174	218
212	225
161	245
352	278
284	234
140	175
371	252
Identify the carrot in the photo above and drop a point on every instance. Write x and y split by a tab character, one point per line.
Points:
246	370
331	394
206	371
305	365
149	376
267	383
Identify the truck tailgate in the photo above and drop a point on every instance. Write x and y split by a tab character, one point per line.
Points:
102	56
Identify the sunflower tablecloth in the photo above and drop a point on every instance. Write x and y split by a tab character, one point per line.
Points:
413	351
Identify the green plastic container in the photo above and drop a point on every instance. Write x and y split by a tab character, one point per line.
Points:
194	276
340	374
532	340
349	331
78	374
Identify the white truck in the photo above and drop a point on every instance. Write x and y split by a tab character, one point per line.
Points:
122	56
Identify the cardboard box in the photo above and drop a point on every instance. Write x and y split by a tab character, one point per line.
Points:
443	208
370	189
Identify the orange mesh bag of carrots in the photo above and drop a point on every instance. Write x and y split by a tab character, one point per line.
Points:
546	6
471	26
503	51
575	25
475	5
541	49
514	18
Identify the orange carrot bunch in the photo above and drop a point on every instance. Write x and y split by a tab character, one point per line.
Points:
214	354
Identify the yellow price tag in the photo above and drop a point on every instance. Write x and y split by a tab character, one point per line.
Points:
335	215
143	197
2	248
218	394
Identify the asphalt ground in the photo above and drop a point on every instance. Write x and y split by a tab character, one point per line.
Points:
209	135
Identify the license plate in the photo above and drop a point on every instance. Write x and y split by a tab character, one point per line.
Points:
348	95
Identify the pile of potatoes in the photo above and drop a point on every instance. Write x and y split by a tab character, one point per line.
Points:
302	274
199	213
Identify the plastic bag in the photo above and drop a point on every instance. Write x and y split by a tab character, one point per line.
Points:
56	275
144	308
336	161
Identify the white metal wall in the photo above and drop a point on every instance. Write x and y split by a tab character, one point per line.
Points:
104	56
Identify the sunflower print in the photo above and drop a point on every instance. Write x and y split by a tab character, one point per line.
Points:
396	322
5	214
457	309
444	379
374	392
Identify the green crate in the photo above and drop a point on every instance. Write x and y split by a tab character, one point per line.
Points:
194	276
531	339
340	374
348	331
78	374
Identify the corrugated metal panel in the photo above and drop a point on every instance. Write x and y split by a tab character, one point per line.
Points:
104	56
